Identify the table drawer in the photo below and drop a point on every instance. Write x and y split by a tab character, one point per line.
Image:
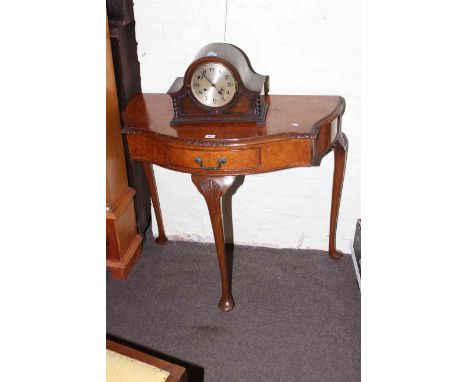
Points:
214	160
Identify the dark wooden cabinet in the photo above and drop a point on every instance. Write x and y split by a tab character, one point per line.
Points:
123	243
128	83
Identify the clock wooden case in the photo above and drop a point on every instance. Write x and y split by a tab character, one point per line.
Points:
219	86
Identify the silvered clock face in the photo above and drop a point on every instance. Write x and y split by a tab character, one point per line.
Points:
213	84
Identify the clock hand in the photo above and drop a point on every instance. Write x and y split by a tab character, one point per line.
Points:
211	83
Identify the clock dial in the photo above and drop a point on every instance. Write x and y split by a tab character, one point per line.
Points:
213	84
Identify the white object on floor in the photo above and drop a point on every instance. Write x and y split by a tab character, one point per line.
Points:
356	268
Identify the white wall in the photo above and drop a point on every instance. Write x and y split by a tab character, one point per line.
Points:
307	47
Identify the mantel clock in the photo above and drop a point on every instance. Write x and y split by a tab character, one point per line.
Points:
219	86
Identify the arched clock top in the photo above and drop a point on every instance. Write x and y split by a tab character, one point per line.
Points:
234	56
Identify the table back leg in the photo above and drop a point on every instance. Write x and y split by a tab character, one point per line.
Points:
148	167
212	189
340	149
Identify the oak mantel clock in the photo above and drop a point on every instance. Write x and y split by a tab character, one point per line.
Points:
219	86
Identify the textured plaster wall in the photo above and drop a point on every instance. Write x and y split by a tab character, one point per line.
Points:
307	47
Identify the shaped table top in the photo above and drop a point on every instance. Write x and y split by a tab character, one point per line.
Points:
298	116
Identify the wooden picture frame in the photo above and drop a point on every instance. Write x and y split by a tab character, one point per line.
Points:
176	373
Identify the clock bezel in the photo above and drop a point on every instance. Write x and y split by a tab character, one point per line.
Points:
240	87
199	64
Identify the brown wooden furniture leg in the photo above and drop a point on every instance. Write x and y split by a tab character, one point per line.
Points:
212	189
148	167
340	149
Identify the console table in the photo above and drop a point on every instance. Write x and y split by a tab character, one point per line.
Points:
299	132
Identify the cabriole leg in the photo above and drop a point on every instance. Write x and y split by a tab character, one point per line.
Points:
340	149
148	167
212	189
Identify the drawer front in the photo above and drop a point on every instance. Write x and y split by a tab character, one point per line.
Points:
287	153
146	149
214	160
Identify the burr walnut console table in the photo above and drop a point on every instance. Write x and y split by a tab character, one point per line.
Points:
299	132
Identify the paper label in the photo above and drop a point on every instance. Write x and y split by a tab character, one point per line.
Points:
210	135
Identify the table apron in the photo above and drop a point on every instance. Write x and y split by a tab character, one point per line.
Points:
222	160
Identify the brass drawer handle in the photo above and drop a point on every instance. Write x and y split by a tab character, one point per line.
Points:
221	161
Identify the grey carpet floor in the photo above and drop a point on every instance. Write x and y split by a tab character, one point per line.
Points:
296	318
